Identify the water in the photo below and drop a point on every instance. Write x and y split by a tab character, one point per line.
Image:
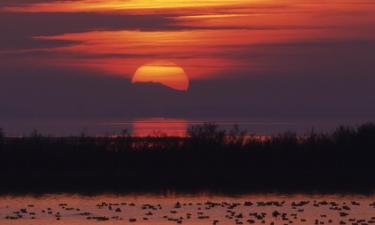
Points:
169	126
185	209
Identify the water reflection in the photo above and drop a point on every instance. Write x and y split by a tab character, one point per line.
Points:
193	209
170	126
159	127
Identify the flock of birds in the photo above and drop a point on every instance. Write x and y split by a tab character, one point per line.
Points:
248	212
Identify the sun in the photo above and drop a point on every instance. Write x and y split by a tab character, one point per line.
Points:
166	73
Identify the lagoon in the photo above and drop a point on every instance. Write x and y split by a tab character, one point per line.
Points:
187	209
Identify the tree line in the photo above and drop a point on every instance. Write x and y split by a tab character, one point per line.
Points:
207	159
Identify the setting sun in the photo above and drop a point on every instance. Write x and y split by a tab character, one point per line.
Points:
164	72
197	112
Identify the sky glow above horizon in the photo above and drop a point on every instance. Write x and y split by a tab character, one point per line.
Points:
256	58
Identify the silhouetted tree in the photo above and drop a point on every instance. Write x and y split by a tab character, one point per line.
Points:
206	136
366	134
236	138
344	135
2	139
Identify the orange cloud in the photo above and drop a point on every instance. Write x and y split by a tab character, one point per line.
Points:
143	6
210	37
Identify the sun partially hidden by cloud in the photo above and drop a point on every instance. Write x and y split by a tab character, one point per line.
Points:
163	72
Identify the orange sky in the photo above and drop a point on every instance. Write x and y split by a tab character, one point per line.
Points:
207	38
134	6
240	59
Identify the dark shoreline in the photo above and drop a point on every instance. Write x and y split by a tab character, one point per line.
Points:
208	160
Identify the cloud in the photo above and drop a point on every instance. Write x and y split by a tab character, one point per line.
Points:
18	29
4	3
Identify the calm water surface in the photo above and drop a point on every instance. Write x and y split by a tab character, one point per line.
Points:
202	209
